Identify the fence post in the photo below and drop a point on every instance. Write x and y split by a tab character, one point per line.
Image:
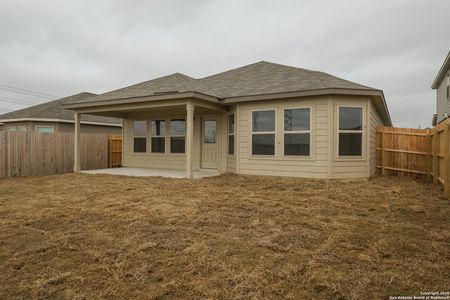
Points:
429	157
446	162
435	155
110	150
383	151
4	153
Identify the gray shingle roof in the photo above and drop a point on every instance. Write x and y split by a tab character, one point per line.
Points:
267	78
54	110
255	79
172	83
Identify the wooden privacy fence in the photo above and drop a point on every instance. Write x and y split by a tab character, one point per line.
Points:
115	151
422	153
34	153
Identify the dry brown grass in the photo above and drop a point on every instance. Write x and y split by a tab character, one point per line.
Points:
99	236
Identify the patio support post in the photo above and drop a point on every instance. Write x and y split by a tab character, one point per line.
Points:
189	138
77	139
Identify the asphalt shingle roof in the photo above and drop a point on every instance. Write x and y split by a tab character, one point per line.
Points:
255	79
172	83
54	110
267	78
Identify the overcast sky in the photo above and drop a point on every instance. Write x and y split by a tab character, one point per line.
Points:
65	47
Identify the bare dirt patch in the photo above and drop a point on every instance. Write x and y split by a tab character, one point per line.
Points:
100	236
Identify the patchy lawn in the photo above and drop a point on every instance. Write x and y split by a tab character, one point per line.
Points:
100	236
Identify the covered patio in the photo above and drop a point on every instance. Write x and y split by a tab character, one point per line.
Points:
152	172
194	110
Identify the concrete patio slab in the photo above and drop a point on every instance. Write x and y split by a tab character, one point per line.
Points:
148	172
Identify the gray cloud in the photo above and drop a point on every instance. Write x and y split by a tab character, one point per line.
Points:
64	47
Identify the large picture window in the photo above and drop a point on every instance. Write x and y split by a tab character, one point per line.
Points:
158	136
350	131
231	129
140	136
177	135
297	131
263	132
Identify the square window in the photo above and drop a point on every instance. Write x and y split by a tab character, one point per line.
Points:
296	119
158	145
158	128
178	127
296	144
263	144
140	128
140	144
350	144
263	121
177	144
350	118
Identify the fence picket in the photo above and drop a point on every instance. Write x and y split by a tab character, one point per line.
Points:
34	153
423	153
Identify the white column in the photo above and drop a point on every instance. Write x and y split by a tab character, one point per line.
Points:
189	138
77	140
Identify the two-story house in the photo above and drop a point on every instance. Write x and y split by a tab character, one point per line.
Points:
441	85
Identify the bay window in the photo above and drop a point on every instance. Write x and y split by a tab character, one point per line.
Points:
350	131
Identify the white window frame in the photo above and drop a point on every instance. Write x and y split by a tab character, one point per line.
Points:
263	132
299	131
159	136
36	128
11	128
22	128
231	134
139	136
170	136
363	128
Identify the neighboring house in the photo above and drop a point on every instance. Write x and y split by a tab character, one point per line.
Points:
52	117
442	84
261	119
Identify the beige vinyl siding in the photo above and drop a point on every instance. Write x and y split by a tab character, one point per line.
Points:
350	167
314	166
169	160
231	159
323	161
148	160
442	103
375	121
231	164
222	138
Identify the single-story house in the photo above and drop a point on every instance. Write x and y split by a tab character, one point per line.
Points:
51	117
261	119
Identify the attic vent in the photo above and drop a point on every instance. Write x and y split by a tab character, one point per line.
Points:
165	92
